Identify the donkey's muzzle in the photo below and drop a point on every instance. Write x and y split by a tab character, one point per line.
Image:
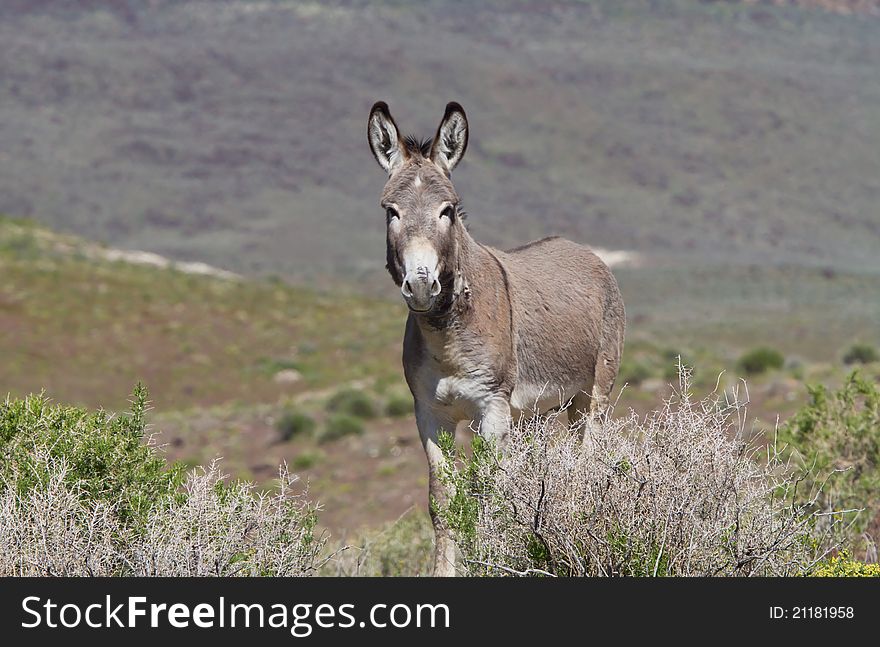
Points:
420	289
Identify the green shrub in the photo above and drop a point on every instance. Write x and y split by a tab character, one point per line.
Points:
761	360
353	403
106	456
838	435
842	565
670	371
796	368
305	460
294	423
861	354
633	372
399	406
340	425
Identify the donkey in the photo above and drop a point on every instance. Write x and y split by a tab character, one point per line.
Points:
490	335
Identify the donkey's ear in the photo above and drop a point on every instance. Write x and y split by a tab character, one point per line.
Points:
452	138
384	138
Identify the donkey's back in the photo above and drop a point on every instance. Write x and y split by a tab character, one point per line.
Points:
569	324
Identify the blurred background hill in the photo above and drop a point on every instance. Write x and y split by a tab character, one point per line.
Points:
233	132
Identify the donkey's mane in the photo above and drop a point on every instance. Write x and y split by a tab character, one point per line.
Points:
417	146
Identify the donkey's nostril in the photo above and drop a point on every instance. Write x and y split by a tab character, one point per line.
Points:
406	289
435	288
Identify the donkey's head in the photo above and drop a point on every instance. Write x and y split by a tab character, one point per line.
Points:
421	205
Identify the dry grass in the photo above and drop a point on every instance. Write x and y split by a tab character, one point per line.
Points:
680	492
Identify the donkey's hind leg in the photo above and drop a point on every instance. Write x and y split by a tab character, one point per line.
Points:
607	362
591	404
581	405
606	374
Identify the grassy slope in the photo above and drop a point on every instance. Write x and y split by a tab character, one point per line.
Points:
87	330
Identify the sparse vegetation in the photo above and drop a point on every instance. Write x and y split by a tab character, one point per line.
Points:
676	493
306	460
200	340
633	372
761	360
339	426
861	354
548	507
272	365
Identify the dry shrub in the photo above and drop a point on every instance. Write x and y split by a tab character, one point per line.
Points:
678	493
210	529
225	530
49	531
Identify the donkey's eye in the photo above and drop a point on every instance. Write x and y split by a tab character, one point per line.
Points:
448	211
391	213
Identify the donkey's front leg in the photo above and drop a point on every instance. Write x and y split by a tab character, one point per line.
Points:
430	424
494	423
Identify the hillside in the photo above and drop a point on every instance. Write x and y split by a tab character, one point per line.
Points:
86	322
232	132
